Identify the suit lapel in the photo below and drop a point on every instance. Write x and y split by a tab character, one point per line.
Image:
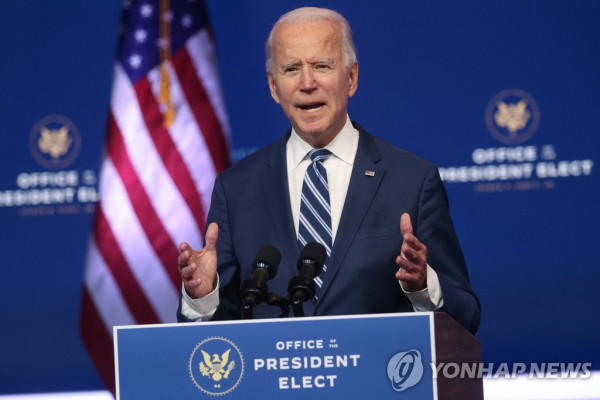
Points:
367	174
274	183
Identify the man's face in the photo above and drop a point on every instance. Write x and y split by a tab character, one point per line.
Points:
310	80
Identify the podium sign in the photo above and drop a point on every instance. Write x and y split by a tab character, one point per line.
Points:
381	356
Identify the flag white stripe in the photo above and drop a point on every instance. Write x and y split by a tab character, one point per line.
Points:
137	250
164	195
101	287
203	54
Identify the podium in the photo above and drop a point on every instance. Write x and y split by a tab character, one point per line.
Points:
379	356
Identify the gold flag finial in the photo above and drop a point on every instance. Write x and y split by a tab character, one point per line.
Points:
165	58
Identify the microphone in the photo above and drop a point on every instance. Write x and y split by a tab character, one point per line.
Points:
254	290
310	264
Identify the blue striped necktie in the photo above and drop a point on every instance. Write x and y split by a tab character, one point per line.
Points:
315	209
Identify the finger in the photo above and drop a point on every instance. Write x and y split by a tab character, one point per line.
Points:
412	241
407	272
412	276
412	248
405	276
410	253
187	271
183	258
405	224
192	284
212	234
405	264
184	246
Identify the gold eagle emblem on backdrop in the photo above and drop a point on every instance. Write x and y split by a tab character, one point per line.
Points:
55	142
216	367
513	117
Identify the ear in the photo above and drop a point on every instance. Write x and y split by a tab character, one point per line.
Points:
353	79
272	87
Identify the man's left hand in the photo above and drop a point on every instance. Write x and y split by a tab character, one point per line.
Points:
412	259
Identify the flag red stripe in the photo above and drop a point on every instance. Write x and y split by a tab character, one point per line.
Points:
202	109
159	238
133	294
98	341
168	151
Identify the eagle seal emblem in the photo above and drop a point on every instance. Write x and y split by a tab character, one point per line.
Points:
55	142
216	366
512	116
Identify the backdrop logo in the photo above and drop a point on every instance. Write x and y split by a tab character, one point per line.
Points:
216	366
405	369
512	116
55	142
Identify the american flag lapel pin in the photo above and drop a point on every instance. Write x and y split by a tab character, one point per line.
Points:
370	173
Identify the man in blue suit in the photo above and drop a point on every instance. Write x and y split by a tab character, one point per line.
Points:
394	245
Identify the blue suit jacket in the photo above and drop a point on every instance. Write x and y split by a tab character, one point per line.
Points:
251	205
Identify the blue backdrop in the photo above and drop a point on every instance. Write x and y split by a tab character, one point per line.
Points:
503	96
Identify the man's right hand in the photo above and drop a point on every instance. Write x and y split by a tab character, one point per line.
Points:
199	268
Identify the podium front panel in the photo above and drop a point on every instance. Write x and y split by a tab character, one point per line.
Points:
382	356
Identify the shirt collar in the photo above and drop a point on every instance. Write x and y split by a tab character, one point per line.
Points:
343	145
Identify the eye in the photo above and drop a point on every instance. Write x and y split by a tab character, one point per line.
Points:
323	67
290	70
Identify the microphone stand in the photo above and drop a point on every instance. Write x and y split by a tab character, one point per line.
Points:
247	310
283	303
300	289
297	308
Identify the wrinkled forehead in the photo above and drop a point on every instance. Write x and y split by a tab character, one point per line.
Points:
307	41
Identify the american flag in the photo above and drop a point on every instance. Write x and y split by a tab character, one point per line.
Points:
167	138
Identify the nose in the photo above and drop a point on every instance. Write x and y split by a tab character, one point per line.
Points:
307	79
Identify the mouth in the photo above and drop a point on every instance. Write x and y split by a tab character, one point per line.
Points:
311	107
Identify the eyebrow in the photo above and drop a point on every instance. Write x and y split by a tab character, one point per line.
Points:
298	62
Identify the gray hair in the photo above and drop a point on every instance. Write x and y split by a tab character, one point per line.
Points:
312	14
